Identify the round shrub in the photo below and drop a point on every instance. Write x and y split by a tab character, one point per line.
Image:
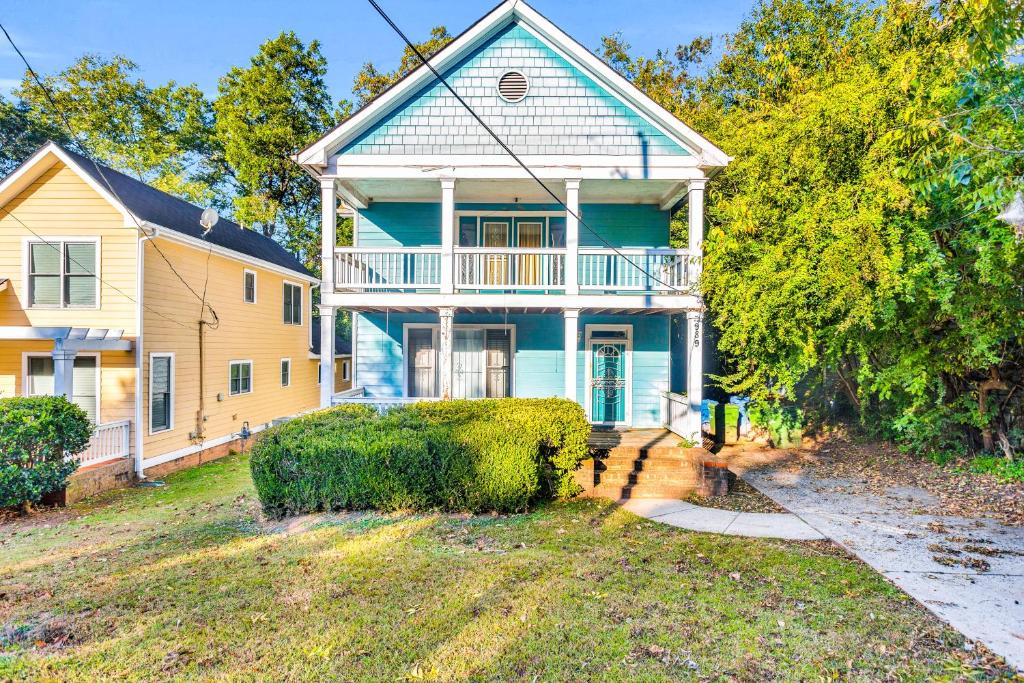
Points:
498	454
38	437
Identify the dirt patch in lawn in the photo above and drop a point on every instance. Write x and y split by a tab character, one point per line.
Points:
742	498
881	469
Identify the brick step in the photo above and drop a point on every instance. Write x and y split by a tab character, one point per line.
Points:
655	452
646	465
641	478
641	491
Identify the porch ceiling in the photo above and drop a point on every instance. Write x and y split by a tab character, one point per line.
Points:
513	191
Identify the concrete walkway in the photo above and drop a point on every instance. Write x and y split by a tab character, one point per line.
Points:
884	532
696	518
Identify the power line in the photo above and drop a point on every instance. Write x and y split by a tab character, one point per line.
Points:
78	263
412	46
102	175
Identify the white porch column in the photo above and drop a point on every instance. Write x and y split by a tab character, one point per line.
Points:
447	235
63	370
572	326
446	337
326	356
695	202
572	236
694	373
328	233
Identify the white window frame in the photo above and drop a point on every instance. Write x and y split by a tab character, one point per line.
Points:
436	327
284	362
61	240
255	286
252	377
319	373
346	372
42	354
588	368
302	298
149	417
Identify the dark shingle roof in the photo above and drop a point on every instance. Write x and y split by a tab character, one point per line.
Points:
167	211
342	347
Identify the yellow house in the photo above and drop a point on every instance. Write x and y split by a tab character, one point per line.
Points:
179	342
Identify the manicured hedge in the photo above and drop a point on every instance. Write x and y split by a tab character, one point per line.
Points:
35	434
499	454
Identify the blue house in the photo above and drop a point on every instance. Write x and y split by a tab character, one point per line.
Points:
469	278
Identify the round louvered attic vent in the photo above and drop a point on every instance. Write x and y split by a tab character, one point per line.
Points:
512	86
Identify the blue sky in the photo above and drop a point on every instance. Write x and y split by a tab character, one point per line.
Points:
198	40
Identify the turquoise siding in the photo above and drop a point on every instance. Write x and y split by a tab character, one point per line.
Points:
565	112
539	358
400	224
417	224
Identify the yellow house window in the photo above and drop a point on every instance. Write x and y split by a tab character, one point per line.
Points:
240	377
292	304
62	274
249	286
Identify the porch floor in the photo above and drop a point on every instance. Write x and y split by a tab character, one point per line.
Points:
607	439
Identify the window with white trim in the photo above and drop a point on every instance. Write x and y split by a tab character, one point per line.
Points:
344	371
319	367
161	392
85	381
240	377
63	274
249	286
292	304
286	372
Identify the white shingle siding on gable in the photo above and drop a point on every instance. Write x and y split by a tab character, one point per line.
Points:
565	111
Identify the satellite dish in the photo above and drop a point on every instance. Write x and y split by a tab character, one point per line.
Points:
208	220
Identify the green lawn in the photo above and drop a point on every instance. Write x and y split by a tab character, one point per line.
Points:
187	582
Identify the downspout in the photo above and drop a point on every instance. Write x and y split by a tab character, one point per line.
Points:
139	353
199	435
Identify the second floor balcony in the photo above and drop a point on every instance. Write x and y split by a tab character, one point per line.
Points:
493	270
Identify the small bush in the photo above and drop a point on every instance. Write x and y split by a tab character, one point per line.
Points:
35	435
498	454
1003	469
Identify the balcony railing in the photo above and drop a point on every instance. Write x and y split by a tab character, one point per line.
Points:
492	269
387	268
635	270
521	269
109	441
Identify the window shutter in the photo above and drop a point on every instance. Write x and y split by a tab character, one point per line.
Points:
84	385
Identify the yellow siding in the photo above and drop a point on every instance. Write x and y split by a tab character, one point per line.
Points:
341	384
253	332
61	204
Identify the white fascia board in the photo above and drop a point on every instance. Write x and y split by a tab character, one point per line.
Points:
636	302
317	154
490	169
175	236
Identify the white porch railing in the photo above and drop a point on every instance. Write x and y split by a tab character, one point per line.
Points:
387	268
109	442
357	396
509	268
632	270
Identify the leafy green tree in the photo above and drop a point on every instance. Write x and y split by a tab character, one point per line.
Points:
21	134
161	135
264	113
371	81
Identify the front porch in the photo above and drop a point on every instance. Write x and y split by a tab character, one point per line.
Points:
627	370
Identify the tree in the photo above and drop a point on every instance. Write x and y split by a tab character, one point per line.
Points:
370	81
264	114
21	134
161	135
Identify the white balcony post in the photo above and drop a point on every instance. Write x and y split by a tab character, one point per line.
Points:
695	201
444	356
447	235
572	236
572	327
694	374
326	356
63	370
328	232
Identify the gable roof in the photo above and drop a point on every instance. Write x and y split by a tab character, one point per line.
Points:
164	211
507	13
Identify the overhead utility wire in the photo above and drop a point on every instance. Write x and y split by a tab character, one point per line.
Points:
103	176
412	46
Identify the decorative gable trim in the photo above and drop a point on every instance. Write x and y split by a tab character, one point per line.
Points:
316	157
